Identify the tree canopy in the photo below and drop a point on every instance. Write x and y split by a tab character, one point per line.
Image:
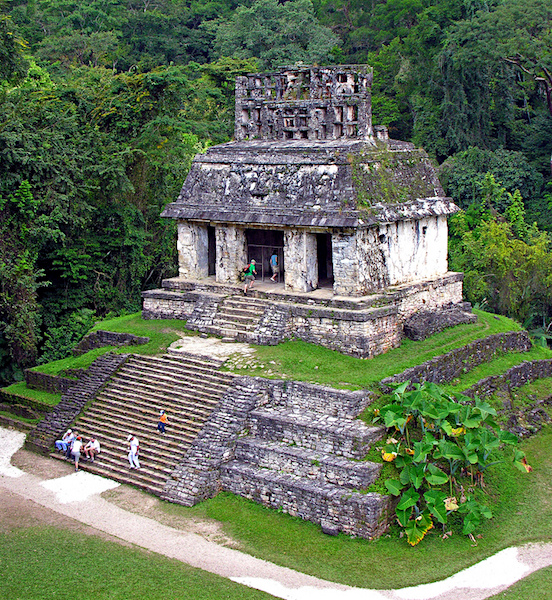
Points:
104	104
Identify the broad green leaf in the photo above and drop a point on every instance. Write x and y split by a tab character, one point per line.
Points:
508	438
393	486
403	516
436	503
408	499
484	408
417	528
436	476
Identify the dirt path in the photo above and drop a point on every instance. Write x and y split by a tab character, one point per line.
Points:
35	489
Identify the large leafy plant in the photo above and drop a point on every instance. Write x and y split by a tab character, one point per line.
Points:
442	445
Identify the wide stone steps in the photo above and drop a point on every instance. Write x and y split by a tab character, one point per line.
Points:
323	433
190	412
137	424
238	317
303	462
151	373
183	363
187	389
184	389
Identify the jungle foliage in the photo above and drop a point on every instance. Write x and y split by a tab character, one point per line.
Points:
104	104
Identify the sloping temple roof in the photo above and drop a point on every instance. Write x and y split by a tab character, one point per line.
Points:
342	183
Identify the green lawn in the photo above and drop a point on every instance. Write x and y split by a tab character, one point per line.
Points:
38	396
48	563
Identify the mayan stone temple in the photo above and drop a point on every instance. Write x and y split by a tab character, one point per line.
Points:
358	221
357	224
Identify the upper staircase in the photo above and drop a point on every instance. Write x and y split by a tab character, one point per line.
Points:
238	317
187	388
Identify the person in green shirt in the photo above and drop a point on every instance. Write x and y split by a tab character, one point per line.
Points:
250	273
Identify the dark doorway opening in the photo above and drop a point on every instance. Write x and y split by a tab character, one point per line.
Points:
261	245
211	250
325	259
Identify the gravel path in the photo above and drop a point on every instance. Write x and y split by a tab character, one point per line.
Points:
77	496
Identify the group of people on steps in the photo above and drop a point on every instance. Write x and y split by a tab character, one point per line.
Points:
71	445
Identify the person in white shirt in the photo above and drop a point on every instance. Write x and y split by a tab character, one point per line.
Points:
75	451
134	450
61	445
91	449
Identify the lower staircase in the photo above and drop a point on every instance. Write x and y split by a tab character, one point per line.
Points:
238	317
310	465
187	388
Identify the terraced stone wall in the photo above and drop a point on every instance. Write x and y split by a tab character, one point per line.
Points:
102	338
54	384
203	472
312	397
164	304
515	377
446	367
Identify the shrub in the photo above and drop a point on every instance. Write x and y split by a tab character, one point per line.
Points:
442	445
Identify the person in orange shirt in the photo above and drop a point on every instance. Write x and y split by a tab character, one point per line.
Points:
162	422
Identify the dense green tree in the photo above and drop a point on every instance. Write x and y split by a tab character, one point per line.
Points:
20	230
12	64
463	174
276	33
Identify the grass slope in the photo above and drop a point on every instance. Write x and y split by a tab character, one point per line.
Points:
46	563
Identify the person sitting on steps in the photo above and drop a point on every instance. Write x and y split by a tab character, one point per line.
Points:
67	438
91	449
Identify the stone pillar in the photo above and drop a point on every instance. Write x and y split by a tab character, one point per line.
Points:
231	253
192	246
301	263
345	264
372	265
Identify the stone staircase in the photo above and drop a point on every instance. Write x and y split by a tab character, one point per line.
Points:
187	388
310	465
238	317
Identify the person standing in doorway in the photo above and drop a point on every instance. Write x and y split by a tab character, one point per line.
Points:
274	265
133	451
250	273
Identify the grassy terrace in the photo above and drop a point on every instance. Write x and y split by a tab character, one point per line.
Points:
305	362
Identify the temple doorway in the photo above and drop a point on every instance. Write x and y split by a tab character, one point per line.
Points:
261	245
211	250
325	259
